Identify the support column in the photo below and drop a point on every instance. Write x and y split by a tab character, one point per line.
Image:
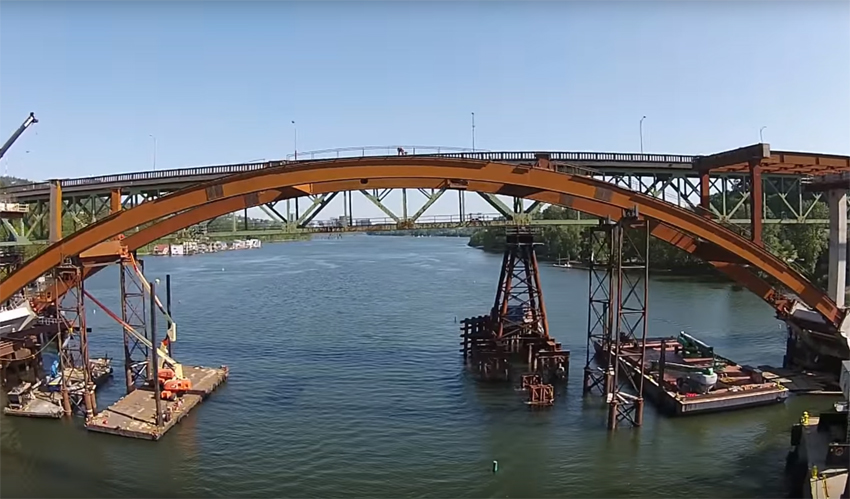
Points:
55	213
837	202
705	193
115	201
154	358
756	202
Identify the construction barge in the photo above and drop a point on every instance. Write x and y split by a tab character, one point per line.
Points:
43	398
135	414
683	376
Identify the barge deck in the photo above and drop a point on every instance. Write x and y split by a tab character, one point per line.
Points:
43	399
134	415
672	364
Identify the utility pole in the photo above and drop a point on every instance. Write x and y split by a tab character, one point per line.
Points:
473	132
154	151
295	139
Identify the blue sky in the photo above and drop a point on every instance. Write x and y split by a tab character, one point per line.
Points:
220	82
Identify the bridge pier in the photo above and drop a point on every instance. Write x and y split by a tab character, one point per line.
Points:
837	281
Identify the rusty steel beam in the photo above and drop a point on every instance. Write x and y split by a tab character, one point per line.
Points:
534	183
740	156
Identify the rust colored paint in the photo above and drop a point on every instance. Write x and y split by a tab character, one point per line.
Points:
55	211
115	201
371	172
756	203
721	259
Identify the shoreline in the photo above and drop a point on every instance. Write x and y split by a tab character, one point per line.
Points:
707	273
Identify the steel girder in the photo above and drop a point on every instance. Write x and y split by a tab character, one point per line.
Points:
538	184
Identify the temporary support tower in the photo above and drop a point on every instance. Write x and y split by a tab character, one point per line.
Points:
133	313
519	310
76	386
619	279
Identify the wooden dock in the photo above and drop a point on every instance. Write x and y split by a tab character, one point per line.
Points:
134	415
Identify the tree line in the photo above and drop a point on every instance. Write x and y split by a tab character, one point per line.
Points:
803	245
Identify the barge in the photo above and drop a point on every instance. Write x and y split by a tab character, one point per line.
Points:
683	376
134	415
42	399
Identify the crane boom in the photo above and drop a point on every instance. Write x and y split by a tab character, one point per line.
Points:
27	122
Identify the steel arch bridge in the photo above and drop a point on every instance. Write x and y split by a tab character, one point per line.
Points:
734	187
741	259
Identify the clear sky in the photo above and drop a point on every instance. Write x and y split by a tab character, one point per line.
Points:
220	82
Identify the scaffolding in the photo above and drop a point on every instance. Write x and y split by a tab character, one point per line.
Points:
618	294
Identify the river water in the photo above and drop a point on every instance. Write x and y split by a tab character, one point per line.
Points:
346	381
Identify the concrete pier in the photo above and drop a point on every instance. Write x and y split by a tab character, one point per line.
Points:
837	201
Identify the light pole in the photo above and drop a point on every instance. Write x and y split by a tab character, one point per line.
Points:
154	150
761	136
473	132
641	134
295	139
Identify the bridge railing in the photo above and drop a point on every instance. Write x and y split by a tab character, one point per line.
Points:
364	151
348	152
422	220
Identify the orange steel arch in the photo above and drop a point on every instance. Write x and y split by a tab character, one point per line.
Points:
723	261
574	191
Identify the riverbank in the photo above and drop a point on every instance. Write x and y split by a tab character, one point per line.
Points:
224	237
705	272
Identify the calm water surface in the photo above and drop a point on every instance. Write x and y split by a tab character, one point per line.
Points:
346	381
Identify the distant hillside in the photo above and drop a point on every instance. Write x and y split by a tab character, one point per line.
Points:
4	181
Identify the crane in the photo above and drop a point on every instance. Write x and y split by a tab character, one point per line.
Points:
27	122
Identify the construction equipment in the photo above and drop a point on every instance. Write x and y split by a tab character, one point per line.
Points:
27	122
694	348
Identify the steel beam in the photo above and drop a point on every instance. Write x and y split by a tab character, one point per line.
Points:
55	211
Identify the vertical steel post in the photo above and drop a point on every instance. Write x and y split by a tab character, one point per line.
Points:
55	211
168	309
63	337
88	382
154	357
350	210
705	193
756	202
115	201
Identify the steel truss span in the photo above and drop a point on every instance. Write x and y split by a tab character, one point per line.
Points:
684	228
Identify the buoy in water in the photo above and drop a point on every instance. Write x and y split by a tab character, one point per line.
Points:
495	466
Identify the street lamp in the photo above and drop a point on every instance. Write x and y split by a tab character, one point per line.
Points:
761	136
295	139
641	134
154	150
473	132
